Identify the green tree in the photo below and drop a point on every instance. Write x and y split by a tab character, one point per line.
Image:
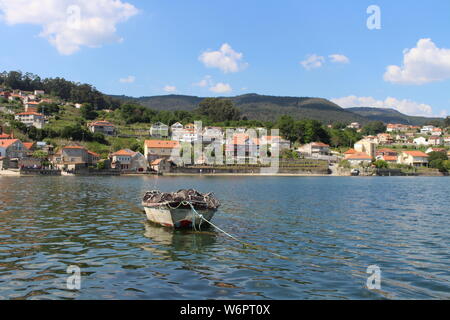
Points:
218	110
88	112
374	128
381	164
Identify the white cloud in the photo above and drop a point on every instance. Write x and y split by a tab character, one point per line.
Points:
221	88
339	58
70	24
129	79
405	106
170	88
206	81
225	59
313	61
423	64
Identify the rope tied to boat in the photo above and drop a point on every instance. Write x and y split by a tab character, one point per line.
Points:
245	244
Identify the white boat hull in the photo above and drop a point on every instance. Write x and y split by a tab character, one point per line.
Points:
177	218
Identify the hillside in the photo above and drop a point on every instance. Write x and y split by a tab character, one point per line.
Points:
259	107
390	116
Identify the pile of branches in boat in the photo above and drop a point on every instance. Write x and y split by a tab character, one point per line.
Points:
181	199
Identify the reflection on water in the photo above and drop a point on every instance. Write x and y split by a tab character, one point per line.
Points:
331	229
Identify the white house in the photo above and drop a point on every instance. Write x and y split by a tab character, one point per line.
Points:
435	141
315	148
421	141
213	134
413	158
159	130
127	159
102	126
359	158
427	129
31	119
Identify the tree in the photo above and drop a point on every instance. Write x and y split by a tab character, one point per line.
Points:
39	154
437	160
288	129
381	164
447	122
88	112
374	128
218	110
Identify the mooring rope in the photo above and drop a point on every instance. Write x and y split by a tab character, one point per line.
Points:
229	235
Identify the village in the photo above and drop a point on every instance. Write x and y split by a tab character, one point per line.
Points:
400	149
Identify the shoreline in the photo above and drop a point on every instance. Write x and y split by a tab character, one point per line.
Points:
16	174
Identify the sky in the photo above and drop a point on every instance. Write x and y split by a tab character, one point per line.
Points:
392	54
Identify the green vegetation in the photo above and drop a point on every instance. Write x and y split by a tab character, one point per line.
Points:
373	128
439	160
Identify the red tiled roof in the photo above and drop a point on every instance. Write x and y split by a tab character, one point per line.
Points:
29	114
163	144
320	144
5	143
101	123
386	150
94	154
5	136
350	151
359	156
416	153
28	145
123	152
390	158
156	162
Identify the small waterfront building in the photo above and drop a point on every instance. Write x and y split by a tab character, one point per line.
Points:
102	126
156	149
161	165
359	158
413	158
12	149
129	160
159	130
34	119
314	148
366	145
74	158
276	142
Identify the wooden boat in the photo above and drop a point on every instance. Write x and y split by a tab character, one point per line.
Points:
180	209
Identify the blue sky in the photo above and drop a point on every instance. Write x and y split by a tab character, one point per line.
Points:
142	48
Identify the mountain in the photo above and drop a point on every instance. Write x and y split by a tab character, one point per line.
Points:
259	107
391	116
265	108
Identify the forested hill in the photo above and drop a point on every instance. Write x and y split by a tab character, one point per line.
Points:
391	116
259	107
